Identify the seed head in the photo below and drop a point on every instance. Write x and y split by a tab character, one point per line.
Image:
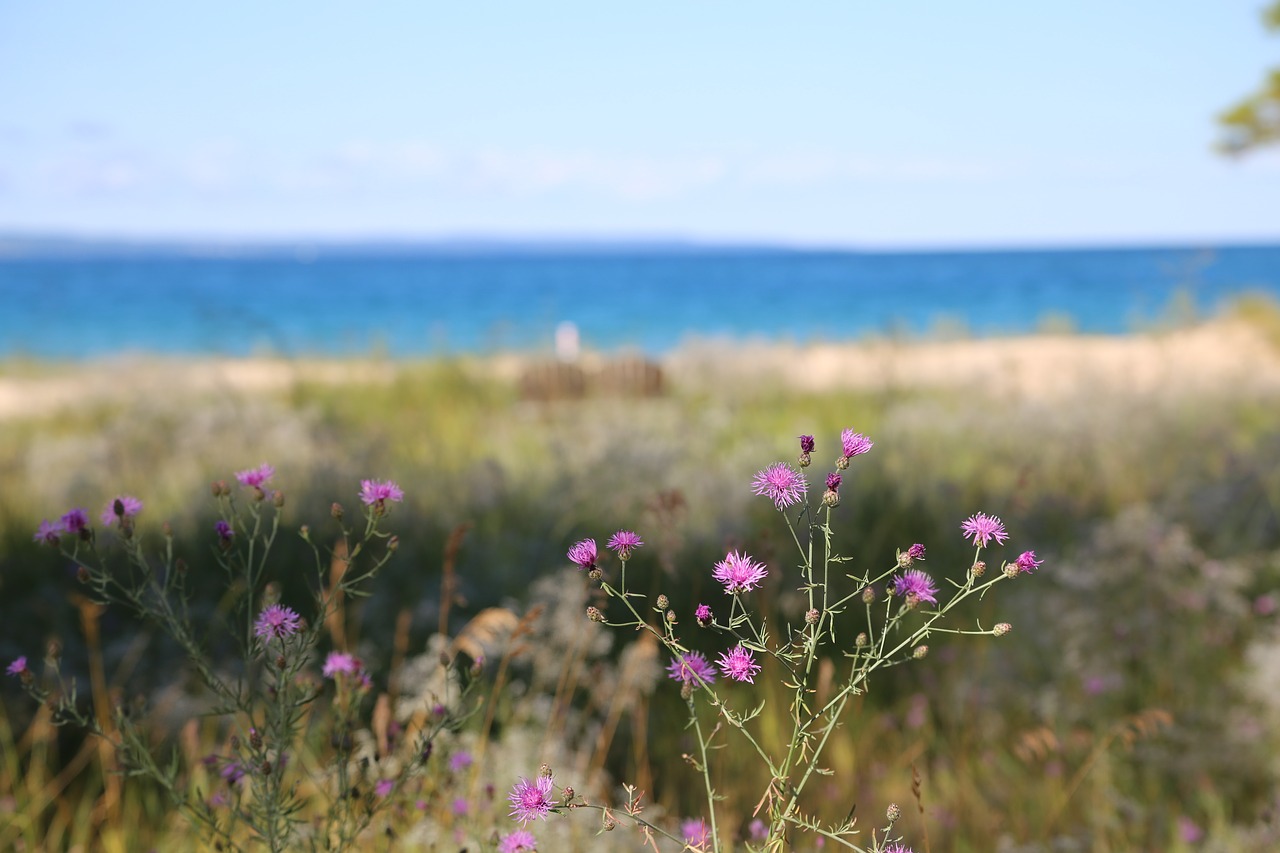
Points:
920	652
594	614
1001	629
893	812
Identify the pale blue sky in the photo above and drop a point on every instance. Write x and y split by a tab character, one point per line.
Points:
851	123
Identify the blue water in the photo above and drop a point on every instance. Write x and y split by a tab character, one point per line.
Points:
406	305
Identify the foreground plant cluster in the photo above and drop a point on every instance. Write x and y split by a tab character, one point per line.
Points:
309	759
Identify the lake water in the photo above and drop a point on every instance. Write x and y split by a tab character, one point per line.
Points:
406	304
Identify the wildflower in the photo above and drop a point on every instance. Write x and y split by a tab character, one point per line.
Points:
1001	628
833	482
277	621
224	531
256	477
831	497
852	444
897	848
739	664
1027	562
49	532
915	586
340	663
806	450
460	761
691	668
518	842
758	829
916	552
703	615
893	812
696	833
982	528
232	772
18	668
378	492
461	806
583	554
624	542
76	521
384	787
739	573
781	483
532	800
122	506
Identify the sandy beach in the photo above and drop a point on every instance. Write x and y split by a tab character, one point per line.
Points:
1223	355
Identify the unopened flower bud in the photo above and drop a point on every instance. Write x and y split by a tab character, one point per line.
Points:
1011	570
218	488
868	595
830	498
662	603
258	495
1001	629
812	616
305	532
842	463
979	569
255	739
26	677
686	691
861	640
393	543
594	614
568	793
281	662
893	812
82	574
477	666
335	510
920	652
671	617
595	574
805	460
277	498
609	824
544	769
266	768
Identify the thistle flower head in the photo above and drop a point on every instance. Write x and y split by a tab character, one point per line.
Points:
1027	562
739	664
691	668
256	477
583	554
739	573
854	443
340	663
277	621
75	521
696	833
378	492
833	482
917	584
531	800
224	531
781	483
624	542
807	444
49	532
18	668
702	614
120	507
982	528
519	841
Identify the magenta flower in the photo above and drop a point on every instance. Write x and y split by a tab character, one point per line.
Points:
18	668
739	664
340	663
75	521
277	621
532	800
583	554
702	614
897	848
384	787
781	483
916	584
256	477
1027	562
623	543
224	531
982	528
691	668
232	772
460	761
122	506
378	492
49	532
461	806
696	833
806	444
833	482
518	842
916	552
854	443
739	573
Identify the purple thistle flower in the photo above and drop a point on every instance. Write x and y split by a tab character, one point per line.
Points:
691	668
232	772
624	542
781	483
129	508
982	528
75	521
384	787
583	554
854	443
1027	562
277	621
340	663
696	833
224	531
460	806
519	841
897	848
18	668
739	664
378	492
703	615
833	482
256	477
532	800
916	584
806	444
49	532
460	761
916	552
739	573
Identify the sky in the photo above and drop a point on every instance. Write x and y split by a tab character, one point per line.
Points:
853	123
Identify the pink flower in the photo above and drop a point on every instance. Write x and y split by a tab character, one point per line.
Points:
583	554
278	622
739	573
696	833
460	761
897	848
806	444
739	664
781	483
49	532
691	668
854	443
76	520
917	585
624	542
703	615
340	663
1027	562
256	477
121	507
224	531
532	800
378	492
916	552
18	668
518	842
982	528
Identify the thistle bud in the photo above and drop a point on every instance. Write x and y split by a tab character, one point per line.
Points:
979	569
830	498
218	488
255	739
305	532
54	650
477	667
920	652
258	495
1011	570
393	543
335	510
842	463
595	575
180	566
594	614
277	498
266	768
544	769
1001	629
671	617
812	616
868	595
662	603
893	812
82	574
281	662
568	793
686	691
861	640
235	741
